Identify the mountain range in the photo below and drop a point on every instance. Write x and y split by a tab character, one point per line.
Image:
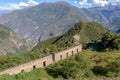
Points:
3	12
48	20
11	42
108	16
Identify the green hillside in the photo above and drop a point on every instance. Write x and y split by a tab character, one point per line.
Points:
11	42
82	32
88	64
91	34
86	31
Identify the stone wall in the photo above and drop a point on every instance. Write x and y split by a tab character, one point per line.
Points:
43	62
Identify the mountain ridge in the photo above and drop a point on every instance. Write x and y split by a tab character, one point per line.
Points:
48	20
81	32
32	22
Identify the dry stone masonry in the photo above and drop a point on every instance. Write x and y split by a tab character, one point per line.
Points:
43	62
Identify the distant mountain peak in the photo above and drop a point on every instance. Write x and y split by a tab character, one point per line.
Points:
58	3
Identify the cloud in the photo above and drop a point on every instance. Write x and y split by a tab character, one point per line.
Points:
84	3
32	2
75	2
93	3
18	6
100	2
22	5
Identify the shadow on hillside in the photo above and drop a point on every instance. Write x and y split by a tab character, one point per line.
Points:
95	46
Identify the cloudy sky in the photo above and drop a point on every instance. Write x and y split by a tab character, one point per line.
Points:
19	4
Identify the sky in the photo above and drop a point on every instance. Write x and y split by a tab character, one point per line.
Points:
20	4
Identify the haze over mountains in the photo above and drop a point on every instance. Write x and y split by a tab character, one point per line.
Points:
51	19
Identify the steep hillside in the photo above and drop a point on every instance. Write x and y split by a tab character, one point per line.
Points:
10	42
82	32
108	16
48	20
43	21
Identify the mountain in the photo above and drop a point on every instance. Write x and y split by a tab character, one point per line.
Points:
82	32
11	42
48	20
3	12
108	16
43	21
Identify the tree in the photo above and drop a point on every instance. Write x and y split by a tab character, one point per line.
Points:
52	48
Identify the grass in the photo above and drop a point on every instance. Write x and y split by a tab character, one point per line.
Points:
96	58
37	74
101	58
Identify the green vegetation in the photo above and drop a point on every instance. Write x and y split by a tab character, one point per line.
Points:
111	41
37	74
87	65
75	67
4	32
82	30
86	31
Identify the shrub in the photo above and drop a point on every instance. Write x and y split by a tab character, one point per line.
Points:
75	67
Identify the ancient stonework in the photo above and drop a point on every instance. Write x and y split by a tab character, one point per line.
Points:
43	62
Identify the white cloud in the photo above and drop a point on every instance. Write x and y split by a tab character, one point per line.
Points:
84	3
91	3
1	8
100	2
21	5
5	8
32	2
75	2
18	6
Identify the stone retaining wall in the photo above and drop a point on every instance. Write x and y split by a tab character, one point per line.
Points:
43	62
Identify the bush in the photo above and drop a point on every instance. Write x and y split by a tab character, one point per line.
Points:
116	43
110	74
99	70
75	67
114	67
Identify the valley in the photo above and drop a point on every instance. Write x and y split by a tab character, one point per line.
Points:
95	53
48	20
35	42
